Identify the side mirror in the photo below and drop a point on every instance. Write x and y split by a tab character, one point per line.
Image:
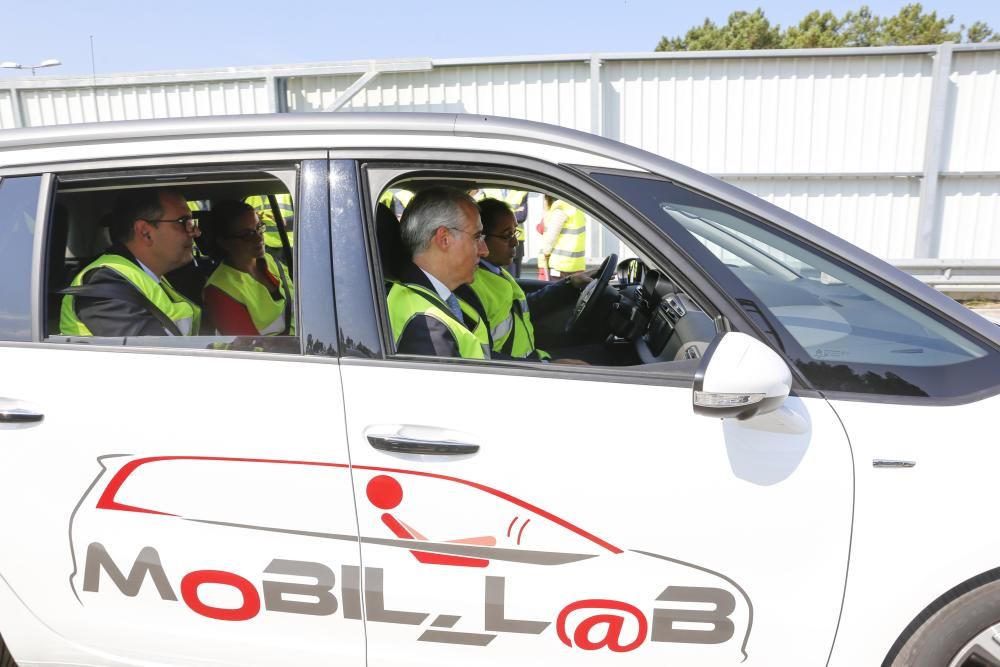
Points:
740	377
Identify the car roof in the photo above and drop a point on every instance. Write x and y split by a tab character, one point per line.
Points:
46	146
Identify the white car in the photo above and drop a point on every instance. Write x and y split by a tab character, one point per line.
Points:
777	454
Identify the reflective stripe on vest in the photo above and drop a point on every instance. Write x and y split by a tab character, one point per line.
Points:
183	313
504	301
570	250
267	313
407	301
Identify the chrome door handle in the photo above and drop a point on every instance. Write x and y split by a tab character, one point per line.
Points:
19	416
398	444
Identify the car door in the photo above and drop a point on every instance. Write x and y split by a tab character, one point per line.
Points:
180	500
548	513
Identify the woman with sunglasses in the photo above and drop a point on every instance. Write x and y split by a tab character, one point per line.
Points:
250	293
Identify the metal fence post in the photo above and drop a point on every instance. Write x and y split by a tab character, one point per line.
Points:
928	242
596	110
15	103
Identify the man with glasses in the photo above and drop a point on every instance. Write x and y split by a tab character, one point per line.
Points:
432	311
123	292
508	309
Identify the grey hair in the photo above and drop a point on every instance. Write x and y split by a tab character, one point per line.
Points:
430	209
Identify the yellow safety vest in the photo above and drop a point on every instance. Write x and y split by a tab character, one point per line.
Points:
262	205
179	310
569	254
507	311
267	313
407	300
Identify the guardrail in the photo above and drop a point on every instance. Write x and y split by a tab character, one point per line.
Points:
963	278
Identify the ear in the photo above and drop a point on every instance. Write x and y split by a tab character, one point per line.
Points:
442	237
140	229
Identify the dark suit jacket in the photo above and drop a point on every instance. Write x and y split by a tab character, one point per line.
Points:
427	335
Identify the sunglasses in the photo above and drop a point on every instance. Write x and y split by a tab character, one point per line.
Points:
189	223
249	234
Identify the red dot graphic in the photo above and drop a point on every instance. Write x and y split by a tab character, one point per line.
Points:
384	492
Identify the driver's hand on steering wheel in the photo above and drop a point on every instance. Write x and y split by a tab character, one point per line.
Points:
580	280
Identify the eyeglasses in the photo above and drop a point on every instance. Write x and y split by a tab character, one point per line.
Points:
190	223
512	236
250	234
477	237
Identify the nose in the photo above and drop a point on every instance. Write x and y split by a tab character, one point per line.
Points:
481	248
196	232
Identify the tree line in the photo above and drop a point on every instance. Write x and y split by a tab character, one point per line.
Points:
752	30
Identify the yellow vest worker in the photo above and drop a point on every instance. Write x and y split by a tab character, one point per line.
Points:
184	314
507	312
267	312
569	249
407	301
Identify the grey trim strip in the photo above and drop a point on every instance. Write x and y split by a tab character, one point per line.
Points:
892	463
39	256
491	553
567	253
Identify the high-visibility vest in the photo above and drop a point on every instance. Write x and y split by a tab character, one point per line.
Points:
267	313
569	254
178	309
262	205
507	312
407	300
396	199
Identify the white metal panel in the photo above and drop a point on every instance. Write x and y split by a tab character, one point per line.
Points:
878	215
975	137
773	115
58	106
6	110
969	225
557	93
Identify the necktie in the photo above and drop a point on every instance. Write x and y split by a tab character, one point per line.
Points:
456	310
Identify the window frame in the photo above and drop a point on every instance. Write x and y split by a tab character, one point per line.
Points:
379	169
312	213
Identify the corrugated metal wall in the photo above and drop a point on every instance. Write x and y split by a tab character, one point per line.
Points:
839	137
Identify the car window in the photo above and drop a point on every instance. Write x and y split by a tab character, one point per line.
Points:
854	334
549	246
214	271
18	204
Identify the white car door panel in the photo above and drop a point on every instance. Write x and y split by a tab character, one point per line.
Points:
597	522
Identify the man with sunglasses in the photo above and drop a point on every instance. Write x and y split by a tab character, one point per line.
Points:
124	292
508	309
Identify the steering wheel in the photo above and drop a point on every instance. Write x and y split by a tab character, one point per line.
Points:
589	297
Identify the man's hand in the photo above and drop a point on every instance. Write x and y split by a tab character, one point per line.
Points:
580	280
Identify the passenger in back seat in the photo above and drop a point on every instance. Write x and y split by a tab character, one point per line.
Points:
249	293
123	292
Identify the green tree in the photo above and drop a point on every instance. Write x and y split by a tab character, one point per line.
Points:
752	30
862	28
815	31
912	26
980	32
743	30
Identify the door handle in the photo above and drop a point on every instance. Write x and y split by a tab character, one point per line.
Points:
398	444
19	416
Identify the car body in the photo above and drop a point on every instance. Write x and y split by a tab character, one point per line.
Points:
776	456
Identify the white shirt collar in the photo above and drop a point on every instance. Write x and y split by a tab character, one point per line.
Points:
147	270
439	286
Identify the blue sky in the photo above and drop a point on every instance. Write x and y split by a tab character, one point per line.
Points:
138	35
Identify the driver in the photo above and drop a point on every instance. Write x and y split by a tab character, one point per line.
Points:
508	309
